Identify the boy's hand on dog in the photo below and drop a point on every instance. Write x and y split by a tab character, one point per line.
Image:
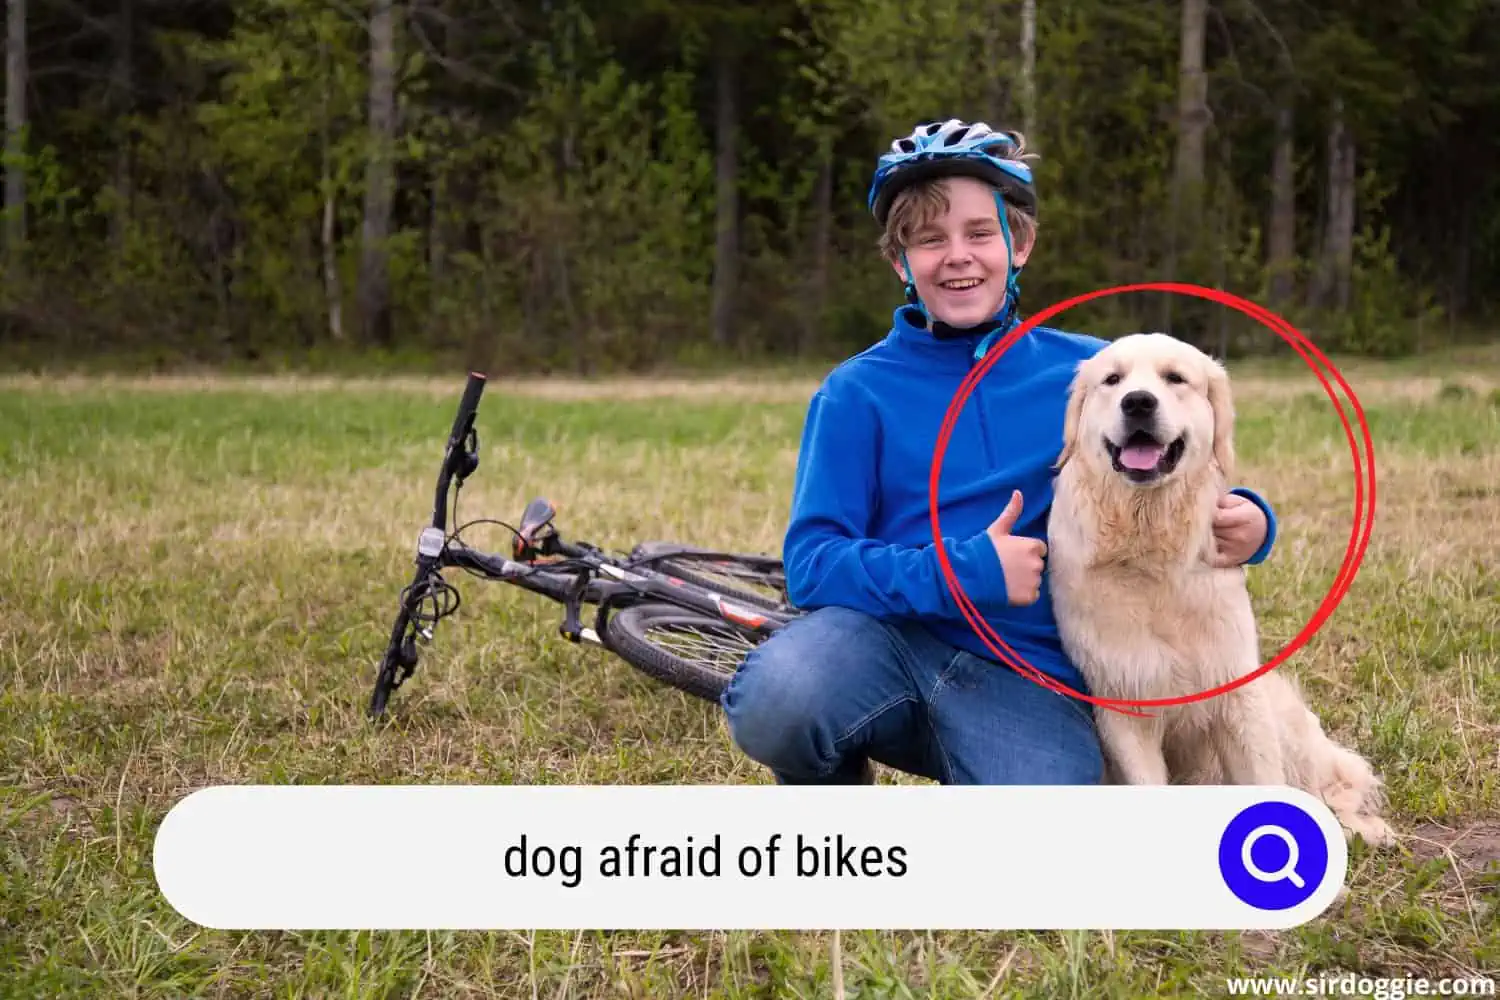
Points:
1239	530
1021	558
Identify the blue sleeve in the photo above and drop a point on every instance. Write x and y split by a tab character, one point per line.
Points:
829	558
1265	546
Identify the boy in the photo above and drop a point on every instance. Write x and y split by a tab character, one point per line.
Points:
884	667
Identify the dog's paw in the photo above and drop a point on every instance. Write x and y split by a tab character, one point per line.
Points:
1373	830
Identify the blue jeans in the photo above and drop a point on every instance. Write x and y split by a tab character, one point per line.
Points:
839	687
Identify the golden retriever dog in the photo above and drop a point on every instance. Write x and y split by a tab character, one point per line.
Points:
1148	450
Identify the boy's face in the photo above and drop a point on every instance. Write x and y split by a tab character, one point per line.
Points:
958	260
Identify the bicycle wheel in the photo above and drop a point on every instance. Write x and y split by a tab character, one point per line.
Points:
692	652
756	580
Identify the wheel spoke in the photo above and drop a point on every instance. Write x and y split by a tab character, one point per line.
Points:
718	649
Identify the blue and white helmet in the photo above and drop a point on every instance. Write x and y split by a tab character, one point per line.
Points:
946	149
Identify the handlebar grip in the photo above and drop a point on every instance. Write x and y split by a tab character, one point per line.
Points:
453	456
467	406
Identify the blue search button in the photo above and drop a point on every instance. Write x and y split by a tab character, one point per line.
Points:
1273	855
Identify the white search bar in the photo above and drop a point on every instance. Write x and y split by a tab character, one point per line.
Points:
752	857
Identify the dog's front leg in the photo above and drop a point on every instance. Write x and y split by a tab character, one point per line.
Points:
1133	747
1248	740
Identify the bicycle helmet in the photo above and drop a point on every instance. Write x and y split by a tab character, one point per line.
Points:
946	149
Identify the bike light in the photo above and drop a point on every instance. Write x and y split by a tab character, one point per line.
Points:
430	542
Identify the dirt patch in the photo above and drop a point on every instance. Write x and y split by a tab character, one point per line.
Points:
1469	860
1259	945
1474	849
47	813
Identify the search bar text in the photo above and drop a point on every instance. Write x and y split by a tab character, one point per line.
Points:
749	857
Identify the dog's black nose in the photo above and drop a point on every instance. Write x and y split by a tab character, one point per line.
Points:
1138	403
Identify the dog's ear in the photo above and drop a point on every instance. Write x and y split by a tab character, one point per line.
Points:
1221	401
1076	393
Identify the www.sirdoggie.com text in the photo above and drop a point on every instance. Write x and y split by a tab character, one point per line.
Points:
827	856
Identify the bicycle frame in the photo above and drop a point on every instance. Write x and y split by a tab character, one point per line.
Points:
572	574
624	582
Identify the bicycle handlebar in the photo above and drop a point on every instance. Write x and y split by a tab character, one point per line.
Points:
454	455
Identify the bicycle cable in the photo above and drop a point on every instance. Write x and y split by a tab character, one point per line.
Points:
561	564
437	590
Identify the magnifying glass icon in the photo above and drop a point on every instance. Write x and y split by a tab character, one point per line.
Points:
1287	871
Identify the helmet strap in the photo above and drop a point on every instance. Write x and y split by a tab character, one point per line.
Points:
912	297
1010	313
1010	310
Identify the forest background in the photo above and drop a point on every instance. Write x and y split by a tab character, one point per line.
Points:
584	186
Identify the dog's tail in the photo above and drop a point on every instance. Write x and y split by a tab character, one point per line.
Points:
1339	776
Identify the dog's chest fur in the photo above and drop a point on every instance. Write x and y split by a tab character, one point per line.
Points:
1140	609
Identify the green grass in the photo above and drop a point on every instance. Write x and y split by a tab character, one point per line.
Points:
197	577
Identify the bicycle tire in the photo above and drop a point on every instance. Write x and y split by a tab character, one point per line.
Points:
700	569
628	631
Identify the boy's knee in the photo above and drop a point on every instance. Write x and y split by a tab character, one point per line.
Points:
1079	760
775	703
1088	766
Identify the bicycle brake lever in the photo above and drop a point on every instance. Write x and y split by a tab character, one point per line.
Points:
468	459
572	626
535	530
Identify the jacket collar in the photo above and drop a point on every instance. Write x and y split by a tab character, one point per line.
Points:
959	346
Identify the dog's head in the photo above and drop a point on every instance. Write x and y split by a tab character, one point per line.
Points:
1148	407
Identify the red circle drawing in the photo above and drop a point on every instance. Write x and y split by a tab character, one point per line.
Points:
1364	479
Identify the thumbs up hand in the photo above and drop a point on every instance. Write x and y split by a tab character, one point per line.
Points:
1021	558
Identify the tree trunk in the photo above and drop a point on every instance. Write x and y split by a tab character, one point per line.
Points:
568	242
1281	249
380	178
993	106
822	237
1462	268
1192	131
1028	68
332	288
1222	224
1342	230
726	244
122	84
437	237
15	129
1192	95
1330	285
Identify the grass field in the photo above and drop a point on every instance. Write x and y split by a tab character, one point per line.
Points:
197	575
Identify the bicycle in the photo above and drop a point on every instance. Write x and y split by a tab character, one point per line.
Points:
725	603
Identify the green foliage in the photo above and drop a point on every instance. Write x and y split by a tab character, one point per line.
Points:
597	205
1387	309
285	133
556	170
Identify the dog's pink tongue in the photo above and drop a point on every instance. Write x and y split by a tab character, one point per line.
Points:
1141	456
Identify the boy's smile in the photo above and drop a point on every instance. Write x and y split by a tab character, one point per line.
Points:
958	260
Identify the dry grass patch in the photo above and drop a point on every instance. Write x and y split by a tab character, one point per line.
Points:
753	388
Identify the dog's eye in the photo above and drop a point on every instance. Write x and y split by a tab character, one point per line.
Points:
1113	378
1175	378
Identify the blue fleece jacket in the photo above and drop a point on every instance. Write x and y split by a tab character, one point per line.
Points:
860	535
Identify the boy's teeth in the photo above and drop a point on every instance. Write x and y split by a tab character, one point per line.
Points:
962	283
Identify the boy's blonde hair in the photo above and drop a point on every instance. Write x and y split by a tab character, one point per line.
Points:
925	200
